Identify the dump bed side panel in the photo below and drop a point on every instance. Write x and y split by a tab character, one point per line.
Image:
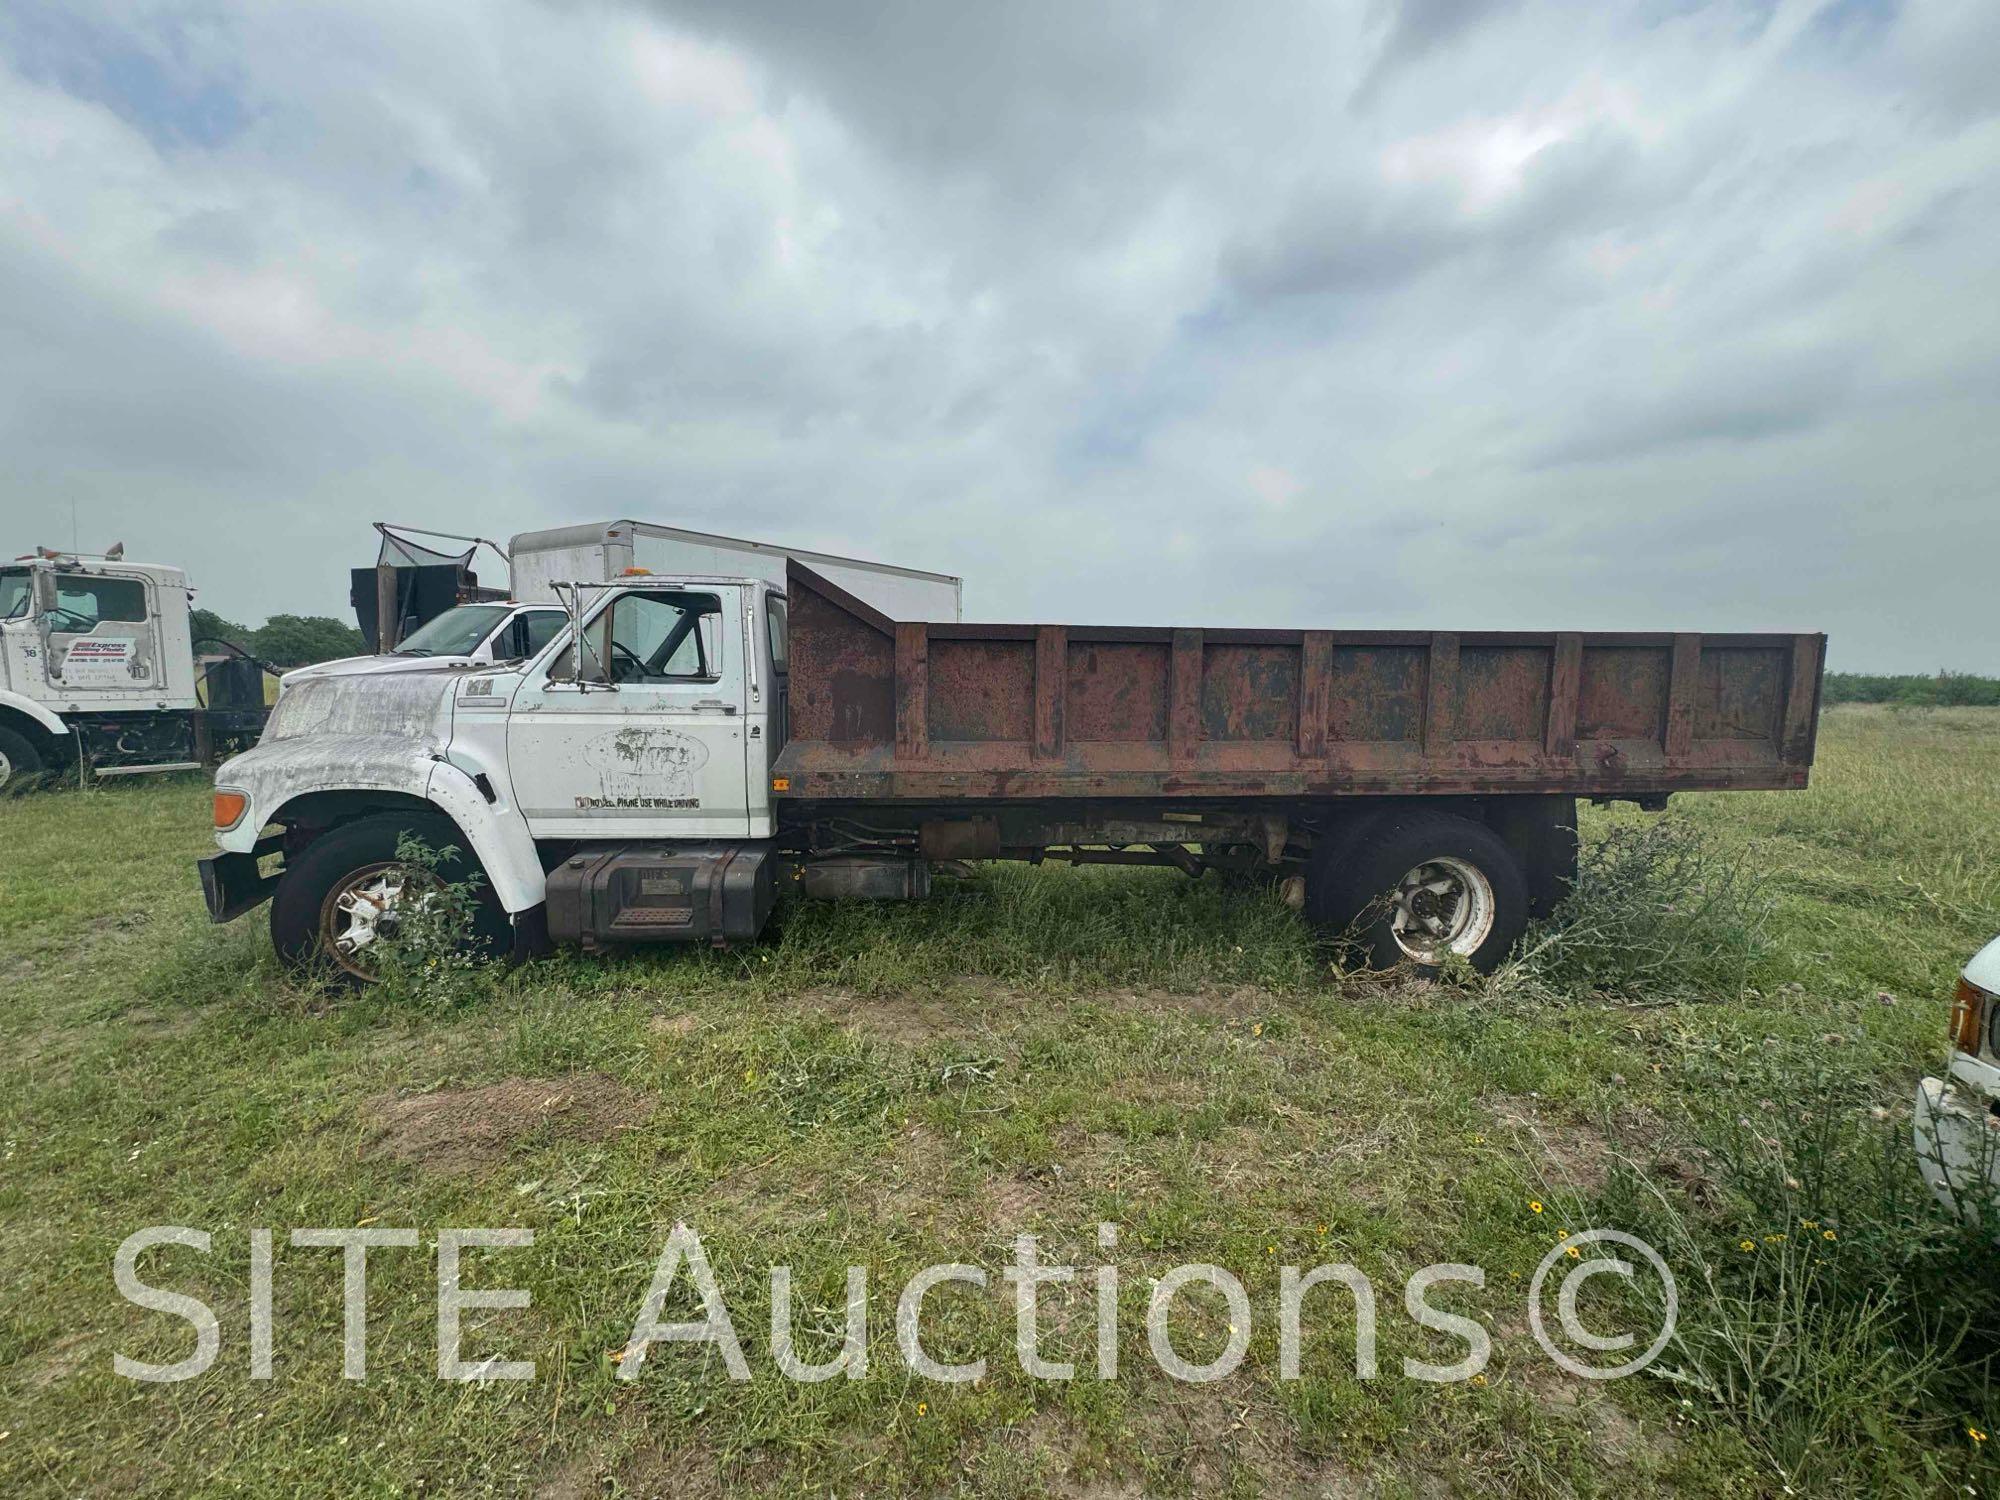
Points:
882	708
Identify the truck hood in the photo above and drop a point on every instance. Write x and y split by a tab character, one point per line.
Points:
412	705
371	730
368	666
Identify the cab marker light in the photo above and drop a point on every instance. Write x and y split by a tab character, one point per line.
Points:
781	783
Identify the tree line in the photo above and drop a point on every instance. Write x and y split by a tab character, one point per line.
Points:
1940	690
282	640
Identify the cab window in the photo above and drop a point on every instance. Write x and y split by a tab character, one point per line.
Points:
652	637
775	623
84	602
538	629
17	593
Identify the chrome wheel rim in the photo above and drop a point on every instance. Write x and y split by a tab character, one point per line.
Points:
6	769
1442	906
361	911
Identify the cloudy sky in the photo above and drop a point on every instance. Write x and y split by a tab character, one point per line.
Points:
1440	313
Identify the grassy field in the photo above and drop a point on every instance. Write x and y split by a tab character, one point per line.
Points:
1045	1051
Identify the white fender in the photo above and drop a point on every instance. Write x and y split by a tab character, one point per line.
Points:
36	711
273	774
500	839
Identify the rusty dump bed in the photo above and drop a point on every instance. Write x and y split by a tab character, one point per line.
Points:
882	709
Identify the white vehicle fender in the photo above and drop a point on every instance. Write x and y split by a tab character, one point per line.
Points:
500	838
33	710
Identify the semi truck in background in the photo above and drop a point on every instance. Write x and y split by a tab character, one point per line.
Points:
98	669
691	744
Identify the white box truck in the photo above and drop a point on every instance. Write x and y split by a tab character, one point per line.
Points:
602	551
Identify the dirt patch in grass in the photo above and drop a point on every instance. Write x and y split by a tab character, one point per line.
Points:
688	1473
1572	1156
1614	1434
463	1130
60	1360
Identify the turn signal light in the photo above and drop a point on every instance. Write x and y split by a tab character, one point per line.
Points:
1968	1016
229	808
781	783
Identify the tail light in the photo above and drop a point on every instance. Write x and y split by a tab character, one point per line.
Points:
1968	1016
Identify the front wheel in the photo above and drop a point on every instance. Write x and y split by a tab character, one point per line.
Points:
20	761
347	894
1419	888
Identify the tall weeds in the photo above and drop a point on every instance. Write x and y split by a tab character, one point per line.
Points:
1657	910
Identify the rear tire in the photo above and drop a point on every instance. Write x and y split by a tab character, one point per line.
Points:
1415	887
20	762
306	917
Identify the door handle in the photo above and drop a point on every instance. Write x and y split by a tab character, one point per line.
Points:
713	706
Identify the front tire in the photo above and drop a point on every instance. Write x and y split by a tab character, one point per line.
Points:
338	898
20	762
1419	888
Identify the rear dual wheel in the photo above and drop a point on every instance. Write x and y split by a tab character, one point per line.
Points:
1420	888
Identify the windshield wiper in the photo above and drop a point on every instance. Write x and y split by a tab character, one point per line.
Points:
412	651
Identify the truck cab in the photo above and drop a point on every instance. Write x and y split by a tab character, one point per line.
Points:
655	720
94	654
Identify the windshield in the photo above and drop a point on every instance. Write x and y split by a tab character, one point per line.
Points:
17	587
456	631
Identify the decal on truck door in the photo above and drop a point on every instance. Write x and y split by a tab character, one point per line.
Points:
640	767
95	662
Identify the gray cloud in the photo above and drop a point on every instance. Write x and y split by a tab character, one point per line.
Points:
1668	315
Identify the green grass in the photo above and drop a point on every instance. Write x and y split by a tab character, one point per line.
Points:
1039	1050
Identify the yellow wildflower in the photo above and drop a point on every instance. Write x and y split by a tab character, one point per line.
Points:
1747	1245
1534	1205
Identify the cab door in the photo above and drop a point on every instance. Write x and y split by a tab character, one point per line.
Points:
638	730
101	633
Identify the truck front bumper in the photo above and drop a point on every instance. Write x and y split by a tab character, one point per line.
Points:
232	884
1957	1129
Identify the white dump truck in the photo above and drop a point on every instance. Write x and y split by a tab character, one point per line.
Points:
96	664
689	745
